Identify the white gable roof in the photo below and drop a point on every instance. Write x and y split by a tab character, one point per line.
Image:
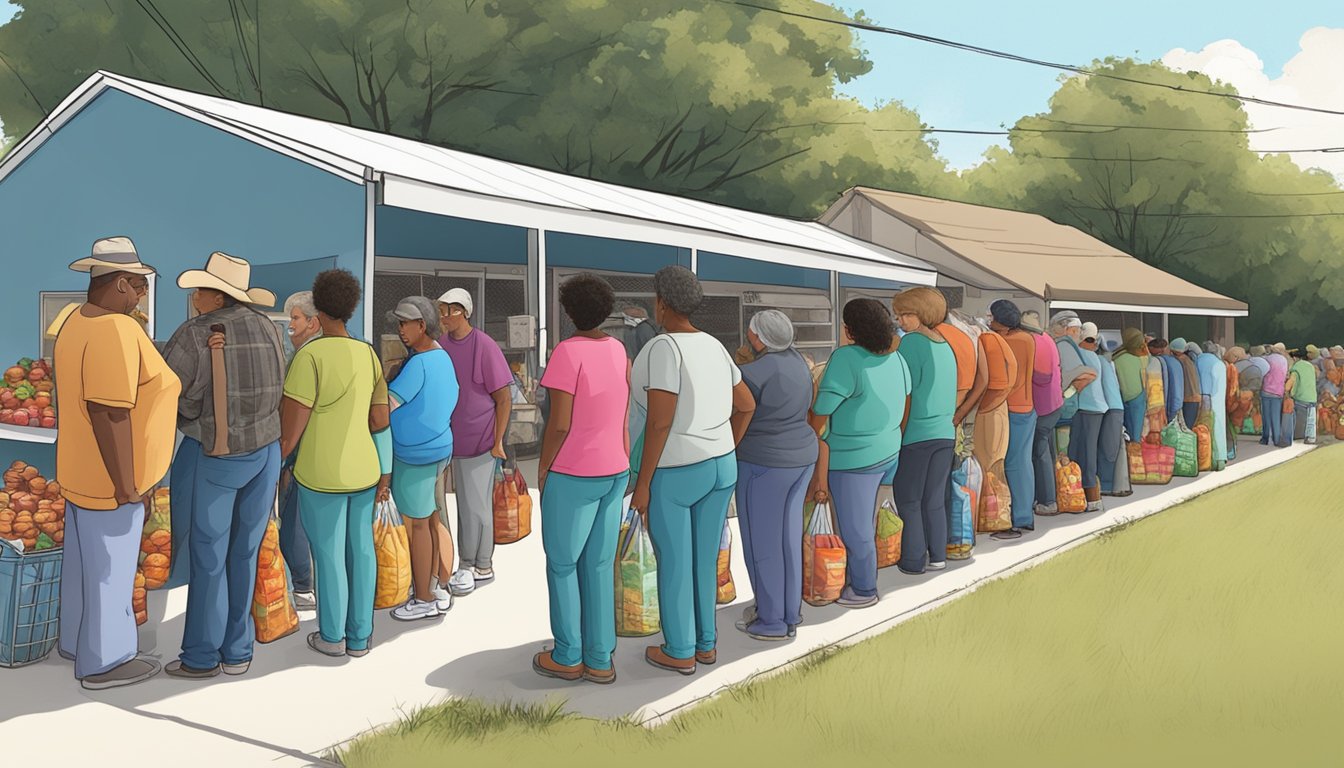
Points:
450	182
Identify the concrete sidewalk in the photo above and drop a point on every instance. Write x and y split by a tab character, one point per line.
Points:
294	704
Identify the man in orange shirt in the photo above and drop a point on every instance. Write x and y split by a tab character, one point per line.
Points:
991	419
1006	321
118	404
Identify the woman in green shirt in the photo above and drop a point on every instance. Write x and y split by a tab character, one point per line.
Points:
860	410
335	412
1300	423
1130	362
927	441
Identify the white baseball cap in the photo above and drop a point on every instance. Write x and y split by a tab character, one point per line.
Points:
1089	331
458	296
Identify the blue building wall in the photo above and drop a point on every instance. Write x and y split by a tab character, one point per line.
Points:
611	255
411	234
180	189
735	269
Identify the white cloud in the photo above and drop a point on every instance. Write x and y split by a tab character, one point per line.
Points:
1312	77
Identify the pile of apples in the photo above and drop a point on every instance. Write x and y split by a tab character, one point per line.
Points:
26	397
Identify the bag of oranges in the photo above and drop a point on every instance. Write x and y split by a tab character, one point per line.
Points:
996	502
138	602
824	559
727	591
1069	496
393	550
512	504
156	543
272	606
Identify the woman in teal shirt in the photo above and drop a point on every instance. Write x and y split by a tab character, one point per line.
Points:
926	444
860	409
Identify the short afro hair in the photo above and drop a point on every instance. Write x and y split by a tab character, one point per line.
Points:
588	300
869	324
679	289
929	304
336	293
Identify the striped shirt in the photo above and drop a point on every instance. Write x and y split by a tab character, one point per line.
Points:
254	371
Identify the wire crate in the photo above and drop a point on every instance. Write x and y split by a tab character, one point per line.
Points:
30	604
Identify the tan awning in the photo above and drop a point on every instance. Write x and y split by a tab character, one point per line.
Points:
1058	263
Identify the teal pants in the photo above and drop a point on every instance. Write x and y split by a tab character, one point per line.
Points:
580	522
687	507
340	533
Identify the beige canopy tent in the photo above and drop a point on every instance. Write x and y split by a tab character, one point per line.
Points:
994	253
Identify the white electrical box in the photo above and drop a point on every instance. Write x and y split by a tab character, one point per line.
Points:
522	332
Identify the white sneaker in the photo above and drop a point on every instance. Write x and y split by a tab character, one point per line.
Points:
416	609
443	599
305	601
483	576
462	583
938	566
1095	506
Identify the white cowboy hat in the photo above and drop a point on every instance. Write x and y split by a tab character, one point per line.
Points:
229	275
112	254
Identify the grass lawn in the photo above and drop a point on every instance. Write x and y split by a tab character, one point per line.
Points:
1211	634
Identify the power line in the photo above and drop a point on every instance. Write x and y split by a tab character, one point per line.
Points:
45	112
1298	194
1027	59
156	16
1173	215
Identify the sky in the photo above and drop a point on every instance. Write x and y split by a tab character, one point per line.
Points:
1286	51
1256	46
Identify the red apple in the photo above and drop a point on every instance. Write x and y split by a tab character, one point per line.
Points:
49	422
19	418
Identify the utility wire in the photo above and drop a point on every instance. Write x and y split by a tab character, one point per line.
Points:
1173	215
180	44
1027	59
45	112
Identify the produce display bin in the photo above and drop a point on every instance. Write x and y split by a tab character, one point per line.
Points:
30	603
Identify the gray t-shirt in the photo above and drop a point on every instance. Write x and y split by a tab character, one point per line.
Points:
779	435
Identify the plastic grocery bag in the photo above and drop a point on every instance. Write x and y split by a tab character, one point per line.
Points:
727	591
636	580
272	606
394	558
1062	434
513	515
961	514
156	543
889	530
1186	445
138	602
824	559
996	502
1069	496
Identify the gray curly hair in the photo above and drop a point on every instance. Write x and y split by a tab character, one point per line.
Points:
679	289
429	311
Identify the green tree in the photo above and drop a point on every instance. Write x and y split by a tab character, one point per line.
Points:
1184	193
701	99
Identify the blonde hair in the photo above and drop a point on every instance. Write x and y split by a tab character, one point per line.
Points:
929	304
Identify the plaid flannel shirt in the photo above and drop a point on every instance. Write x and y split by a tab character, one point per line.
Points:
254	370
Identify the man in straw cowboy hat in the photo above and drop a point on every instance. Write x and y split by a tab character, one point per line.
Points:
118	399
231	425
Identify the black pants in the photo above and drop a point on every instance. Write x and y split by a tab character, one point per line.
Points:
1190	412
1084	439
923	478
1043	453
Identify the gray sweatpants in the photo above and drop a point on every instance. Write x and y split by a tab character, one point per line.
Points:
473	487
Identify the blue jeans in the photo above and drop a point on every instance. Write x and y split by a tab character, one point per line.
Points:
920	490
580	522
1019	467
1271	417
97	625
1135	411
770	516
293	540
854	501
340	532
687	508
232	502
181	487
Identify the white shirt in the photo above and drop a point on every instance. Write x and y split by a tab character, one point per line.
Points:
699	371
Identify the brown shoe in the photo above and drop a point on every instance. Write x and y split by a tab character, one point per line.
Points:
600	676
655	656
706	657
545	666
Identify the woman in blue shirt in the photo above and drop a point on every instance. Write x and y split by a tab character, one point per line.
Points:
860	410
925	469
775	461
422	398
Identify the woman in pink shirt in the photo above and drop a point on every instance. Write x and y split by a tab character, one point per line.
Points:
1271	394
1047	391
584	469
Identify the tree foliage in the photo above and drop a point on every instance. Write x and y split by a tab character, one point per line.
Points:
1184	192
708	100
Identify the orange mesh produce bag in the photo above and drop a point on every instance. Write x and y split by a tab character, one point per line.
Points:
996	502
727	591
512	505
272	608
824	559
1069	496
394	558
138	602
156	543
1205	447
